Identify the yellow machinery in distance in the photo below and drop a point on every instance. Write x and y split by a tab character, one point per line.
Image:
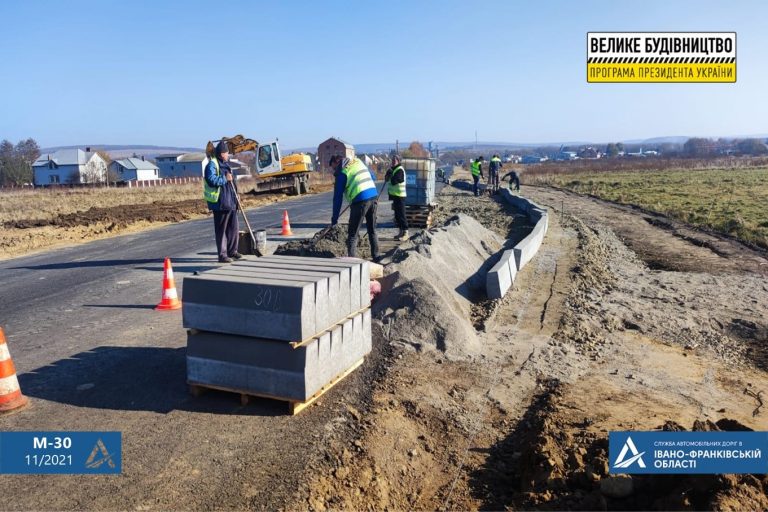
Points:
289	173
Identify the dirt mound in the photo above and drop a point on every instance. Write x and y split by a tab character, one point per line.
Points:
119	216
491	211
548	464
331	245
434	282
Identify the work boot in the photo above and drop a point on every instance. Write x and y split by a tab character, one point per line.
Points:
236	256
225	260
404	235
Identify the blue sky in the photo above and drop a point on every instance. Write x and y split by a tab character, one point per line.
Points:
180	73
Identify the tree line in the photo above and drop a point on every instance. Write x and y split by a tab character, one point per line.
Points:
701	147
16	161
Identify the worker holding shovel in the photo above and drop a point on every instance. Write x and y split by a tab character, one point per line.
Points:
355	183
220	192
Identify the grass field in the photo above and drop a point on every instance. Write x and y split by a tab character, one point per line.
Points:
50	203
42	218
732	201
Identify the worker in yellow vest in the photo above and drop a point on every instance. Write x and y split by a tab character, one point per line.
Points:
395	179
219	191
476	168
355	183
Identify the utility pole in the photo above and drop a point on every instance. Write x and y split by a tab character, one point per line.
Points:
475	141
397	146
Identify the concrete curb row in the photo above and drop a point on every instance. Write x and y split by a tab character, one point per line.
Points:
501	276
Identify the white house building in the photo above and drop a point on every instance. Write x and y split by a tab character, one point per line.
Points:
69	166
181	164
134	169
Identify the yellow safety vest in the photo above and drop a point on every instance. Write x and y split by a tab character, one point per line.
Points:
358	179
211	194
396	189
476	168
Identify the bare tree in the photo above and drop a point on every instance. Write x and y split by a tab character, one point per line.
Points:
110	176
95	172
415	150
16	161
28	150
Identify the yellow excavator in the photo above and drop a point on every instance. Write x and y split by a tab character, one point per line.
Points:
290	173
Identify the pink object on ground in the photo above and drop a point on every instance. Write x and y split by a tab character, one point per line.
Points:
375	289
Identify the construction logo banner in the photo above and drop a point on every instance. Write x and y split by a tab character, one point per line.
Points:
657	57
60	452
688	452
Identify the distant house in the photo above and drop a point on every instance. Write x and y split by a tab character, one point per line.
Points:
330	147
589	153
134	169
534	159
566	155
69	166
181	164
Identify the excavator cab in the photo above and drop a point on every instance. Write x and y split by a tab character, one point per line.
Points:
268	159
267	155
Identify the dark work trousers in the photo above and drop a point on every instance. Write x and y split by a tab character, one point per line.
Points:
476	186
358	211
398	206
494	181
226	228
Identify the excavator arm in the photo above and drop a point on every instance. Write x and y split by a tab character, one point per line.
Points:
236	144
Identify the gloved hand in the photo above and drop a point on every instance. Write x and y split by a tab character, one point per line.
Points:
388	175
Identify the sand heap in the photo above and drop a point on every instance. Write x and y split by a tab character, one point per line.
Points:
331	245
432	284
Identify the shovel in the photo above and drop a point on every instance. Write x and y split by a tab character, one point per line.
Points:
245	218
323	232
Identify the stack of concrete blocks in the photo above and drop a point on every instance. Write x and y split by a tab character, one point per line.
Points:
277	326
501	276
419	181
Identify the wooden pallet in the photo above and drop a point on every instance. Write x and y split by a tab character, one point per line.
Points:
419	216
295	406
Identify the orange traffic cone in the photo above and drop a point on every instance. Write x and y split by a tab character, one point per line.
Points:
170	297
286	225
10	392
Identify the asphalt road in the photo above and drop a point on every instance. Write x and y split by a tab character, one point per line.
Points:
92	354
109	285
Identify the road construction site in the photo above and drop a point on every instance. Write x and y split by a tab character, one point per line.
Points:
621	320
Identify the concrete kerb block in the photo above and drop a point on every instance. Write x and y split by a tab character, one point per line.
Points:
532	206
509	257
527	248
269	367
520	203
498	280
360	271
337	304
352	266
367	333
325	312
365	284
342	277
248	306
347	338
